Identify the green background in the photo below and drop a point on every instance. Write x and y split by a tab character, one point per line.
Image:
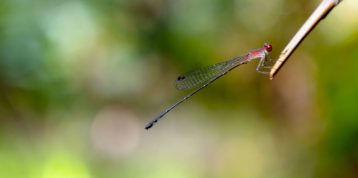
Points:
80	79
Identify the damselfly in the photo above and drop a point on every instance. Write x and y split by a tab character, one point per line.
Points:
203	77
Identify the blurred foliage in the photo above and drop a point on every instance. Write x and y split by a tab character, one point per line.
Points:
79	79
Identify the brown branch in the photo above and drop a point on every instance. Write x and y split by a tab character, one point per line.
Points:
320	13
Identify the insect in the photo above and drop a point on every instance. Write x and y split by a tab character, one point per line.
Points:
203	77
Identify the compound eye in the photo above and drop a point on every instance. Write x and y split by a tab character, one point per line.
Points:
268	47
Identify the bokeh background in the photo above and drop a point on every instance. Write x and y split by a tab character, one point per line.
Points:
80	79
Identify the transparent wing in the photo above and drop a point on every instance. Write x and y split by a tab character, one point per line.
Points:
197	77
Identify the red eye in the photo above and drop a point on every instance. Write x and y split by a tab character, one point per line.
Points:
268	47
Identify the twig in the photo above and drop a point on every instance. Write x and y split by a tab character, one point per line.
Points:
320	13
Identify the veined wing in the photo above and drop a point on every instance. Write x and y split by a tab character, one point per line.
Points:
200	76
